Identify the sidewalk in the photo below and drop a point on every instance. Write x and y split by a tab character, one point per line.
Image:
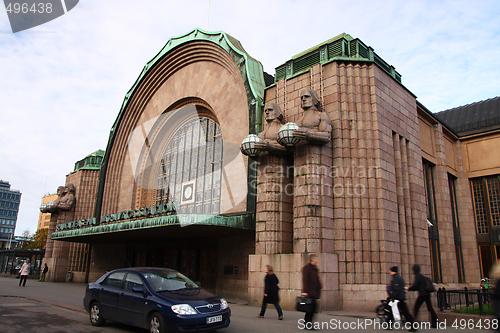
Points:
70	296
64	295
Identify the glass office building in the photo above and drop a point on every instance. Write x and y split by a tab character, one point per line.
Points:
9	208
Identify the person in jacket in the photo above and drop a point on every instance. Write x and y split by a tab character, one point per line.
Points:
24	272
311	287
423	296
270	293
44	271
397	292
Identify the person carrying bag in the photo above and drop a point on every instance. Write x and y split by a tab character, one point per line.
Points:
311	289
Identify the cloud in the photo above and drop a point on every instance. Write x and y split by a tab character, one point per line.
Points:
63	83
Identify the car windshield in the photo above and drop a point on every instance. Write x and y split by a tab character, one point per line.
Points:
168	281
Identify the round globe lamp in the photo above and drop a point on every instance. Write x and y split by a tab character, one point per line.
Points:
248	145
285	135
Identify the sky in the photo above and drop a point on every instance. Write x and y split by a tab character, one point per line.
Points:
62	83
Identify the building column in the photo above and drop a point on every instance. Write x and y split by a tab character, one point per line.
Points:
57	252
312	202
274	205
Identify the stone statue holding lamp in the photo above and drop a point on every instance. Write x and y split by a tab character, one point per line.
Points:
315	126
275	120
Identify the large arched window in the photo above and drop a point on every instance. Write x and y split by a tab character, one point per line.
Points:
190	168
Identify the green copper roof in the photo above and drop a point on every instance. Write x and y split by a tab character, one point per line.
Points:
251	70
342	47
90	162
245	222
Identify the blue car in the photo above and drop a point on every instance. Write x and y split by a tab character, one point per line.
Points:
158	299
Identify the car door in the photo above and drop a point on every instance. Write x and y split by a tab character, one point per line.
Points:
133	306
110	290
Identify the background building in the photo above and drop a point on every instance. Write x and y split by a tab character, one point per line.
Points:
9	207
44	218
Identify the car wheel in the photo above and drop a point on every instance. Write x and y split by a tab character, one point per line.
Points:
157	324
95	315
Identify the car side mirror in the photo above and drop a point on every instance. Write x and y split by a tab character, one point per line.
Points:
138	289
198	283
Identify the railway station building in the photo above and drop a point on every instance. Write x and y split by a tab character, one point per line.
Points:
382	181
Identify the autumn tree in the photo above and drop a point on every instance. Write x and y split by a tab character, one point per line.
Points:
36	241
39	239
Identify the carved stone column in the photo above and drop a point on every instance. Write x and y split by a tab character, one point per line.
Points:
274	217
313	199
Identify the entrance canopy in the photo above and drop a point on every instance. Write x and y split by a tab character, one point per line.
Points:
161	227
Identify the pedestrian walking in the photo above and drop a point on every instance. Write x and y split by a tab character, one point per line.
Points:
398	293
24	272
423	295
44	271
311	287
495	274
271	293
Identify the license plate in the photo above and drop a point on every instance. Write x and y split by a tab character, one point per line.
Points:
215	319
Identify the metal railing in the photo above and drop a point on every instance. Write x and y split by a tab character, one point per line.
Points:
465	299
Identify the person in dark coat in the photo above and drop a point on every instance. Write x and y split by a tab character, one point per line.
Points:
398	293
423	296
311	287
495	274
271	293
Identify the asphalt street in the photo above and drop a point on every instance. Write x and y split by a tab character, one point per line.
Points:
58	307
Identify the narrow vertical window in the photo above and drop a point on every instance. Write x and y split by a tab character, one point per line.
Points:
494	200
486	198
456	229
480	206
433	227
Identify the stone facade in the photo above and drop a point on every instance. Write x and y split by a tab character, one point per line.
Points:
370	210
211	77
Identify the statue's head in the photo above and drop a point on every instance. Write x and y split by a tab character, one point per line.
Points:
70	188
61	190
273	111
309	98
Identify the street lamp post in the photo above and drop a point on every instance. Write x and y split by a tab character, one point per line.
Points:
10	239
